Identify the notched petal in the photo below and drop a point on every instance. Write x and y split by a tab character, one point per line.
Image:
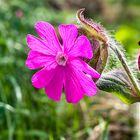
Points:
43	77
39	45
72	86
68	34
47	32
82	48
37	60
54	88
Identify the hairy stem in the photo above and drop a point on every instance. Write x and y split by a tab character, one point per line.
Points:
126	68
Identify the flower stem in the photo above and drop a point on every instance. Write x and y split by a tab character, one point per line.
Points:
126	68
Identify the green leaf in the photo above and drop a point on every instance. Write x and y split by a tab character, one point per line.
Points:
117	83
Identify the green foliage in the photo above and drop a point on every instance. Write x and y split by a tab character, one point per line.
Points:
117	83
128	36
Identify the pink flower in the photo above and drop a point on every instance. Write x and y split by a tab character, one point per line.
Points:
19	13
62	64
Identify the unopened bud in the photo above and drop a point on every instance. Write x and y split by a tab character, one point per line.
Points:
92	28
98	38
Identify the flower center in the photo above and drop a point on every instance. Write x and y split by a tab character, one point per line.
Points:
61	58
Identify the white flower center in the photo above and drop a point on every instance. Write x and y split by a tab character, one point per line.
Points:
61	58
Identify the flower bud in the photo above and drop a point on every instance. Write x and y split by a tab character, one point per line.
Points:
98	38
92	28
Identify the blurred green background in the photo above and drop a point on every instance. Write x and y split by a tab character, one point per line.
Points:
26	112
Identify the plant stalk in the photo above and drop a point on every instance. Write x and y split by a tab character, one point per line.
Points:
126	68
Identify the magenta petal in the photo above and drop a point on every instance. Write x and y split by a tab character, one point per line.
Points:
87	84
47	32
73	90
37	60
68	34
41	78
83	66
54	88
82	48
39	45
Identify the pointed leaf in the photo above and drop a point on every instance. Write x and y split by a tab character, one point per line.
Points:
117	83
